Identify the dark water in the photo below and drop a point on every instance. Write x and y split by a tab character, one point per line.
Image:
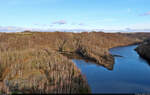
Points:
131	74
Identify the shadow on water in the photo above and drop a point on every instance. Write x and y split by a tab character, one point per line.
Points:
130	73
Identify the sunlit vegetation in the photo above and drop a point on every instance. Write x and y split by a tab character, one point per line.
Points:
39	71
34	62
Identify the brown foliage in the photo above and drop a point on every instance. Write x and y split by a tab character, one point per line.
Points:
37	57
40	71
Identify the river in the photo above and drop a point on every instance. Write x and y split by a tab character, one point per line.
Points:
130	74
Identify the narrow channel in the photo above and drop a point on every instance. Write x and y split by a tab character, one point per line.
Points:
130	74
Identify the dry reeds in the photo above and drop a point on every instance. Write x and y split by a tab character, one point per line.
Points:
31	62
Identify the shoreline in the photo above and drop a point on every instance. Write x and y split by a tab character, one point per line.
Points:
74	55
43	54
138	43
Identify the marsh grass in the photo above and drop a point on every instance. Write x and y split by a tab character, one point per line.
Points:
40	71
34	62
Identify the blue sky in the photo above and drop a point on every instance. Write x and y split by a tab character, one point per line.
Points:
75	14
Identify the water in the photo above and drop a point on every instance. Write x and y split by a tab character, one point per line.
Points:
131	74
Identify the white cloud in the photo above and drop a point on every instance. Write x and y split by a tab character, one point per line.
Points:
140	25
15	29
60	22
81	24
146	14
10	29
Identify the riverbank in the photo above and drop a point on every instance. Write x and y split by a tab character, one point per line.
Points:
144	49
38	55
129	74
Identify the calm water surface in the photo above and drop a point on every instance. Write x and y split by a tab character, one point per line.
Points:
131	74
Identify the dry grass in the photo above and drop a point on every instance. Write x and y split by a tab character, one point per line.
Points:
138	35
32	62
40	71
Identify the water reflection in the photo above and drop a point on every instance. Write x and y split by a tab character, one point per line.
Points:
129	74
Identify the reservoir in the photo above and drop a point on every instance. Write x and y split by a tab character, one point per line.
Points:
130	73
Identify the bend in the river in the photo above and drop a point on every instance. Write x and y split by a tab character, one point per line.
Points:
129	75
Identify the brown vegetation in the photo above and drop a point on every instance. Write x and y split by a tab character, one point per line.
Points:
34	62
40	71
139	35
144	49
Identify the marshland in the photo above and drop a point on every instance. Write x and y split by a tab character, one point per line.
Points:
74	47
40	62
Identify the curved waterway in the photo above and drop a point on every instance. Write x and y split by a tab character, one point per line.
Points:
130	74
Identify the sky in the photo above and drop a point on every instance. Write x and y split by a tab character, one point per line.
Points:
107	15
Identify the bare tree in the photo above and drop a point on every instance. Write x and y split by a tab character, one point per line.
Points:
61	43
